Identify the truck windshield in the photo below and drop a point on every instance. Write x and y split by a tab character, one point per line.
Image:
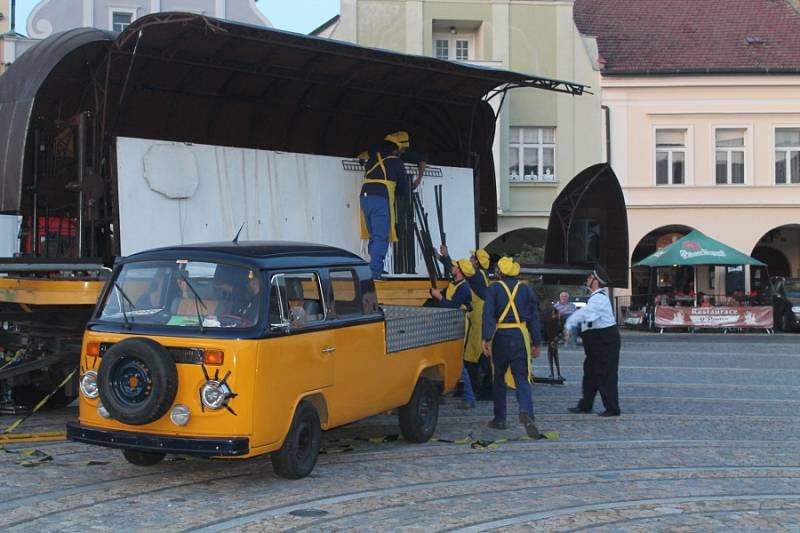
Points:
184	294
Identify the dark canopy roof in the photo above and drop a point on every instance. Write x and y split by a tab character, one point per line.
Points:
183	77
589	224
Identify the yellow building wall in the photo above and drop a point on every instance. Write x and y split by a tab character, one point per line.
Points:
538	38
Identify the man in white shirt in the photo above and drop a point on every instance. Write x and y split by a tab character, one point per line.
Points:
601	343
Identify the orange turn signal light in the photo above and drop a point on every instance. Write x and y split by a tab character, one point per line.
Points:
213	357
92	349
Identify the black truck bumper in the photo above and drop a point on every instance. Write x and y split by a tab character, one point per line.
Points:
145	442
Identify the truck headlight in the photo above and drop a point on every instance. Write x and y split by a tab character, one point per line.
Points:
796	309
102	411
180	415
214	393
89	384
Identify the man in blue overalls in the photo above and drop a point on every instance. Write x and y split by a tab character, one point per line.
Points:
510	318
480	376
385	175
459	295
601	343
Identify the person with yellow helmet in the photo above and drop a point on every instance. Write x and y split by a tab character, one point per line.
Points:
510	319
477	365
384	177
458	295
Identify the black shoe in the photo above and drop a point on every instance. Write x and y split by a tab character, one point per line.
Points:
530	428
497	425
579	410
607	413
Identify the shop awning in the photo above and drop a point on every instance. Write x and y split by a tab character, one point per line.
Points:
697	248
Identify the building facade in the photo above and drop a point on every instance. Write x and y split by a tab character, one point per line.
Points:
543	139
50	16
53	16
704	126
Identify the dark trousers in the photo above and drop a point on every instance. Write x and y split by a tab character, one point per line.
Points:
508	350
480	374
601	368
377	219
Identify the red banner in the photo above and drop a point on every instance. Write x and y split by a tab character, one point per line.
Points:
713	317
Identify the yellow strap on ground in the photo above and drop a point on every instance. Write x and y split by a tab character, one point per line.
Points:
44	436
39	405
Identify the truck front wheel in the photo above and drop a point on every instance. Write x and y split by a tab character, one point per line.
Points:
298	455
418	417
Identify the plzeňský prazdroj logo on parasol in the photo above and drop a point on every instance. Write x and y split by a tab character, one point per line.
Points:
690	249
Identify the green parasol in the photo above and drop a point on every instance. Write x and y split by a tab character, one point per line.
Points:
697	249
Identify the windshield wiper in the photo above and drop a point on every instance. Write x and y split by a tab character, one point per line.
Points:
197	300
120	292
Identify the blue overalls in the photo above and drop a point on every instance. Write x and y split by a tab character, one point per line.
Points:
459	296
384	173
510	318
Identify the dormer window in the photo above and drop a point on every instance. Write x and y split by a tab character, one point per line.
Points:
121	18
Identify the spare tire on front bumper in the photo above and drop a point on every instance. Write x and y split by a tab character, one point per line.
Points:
138	381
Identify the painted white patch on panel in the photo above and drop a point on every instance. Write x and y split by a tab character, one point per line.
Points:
171	170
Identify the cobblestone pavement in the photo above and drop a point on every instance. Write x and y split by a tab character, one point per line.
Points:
708	441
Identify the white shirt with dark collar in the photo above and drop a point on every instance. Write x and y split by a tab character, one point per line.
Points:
597	312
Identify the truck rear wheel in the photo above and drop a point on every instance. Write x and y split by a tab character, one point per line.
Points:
142	458
298	455
419	416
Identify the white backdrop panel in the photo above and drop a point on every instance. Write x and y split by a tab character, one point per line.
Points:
278	195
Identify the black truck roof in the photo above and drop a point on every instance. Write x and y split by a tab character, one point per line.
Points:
260	254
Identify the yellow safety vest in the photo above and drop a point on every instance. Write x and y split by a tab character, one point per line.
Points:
449	293
517	324
390	188
474	347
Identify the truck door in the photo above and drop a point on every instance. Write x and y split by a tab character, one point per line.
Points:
304	354
364	379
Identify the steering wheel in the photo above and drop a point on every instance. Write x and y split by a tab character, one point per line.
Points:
238	321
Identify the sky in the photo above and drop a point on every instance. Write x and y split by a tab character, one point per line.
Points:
300	16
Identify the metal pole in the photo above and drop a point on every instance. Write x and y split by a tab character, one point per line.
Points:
81	148
35	222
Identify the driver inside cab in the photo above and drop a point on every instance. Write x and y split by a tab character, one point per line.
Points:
238	293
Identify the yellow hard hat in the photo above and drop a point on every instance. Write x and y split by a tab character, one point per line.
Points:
466	267
482	256
400	138
515	269
506	266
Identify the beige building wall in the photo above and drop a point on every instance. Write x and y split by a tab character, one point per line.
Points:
5	27
5	23
537	37
738	215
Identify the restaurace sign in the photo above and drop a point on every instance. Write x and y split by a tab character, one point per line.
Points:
713	317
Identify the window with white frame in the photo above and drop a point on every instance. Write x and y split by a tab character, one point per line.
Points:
671	156
456	46
121	18
531	154
730	155
787	155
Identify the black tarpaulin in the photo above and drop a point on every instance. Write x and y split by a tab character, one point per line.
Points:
589	224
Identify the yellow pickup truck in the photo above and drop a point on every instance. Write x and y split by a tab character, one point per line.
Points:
232	350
